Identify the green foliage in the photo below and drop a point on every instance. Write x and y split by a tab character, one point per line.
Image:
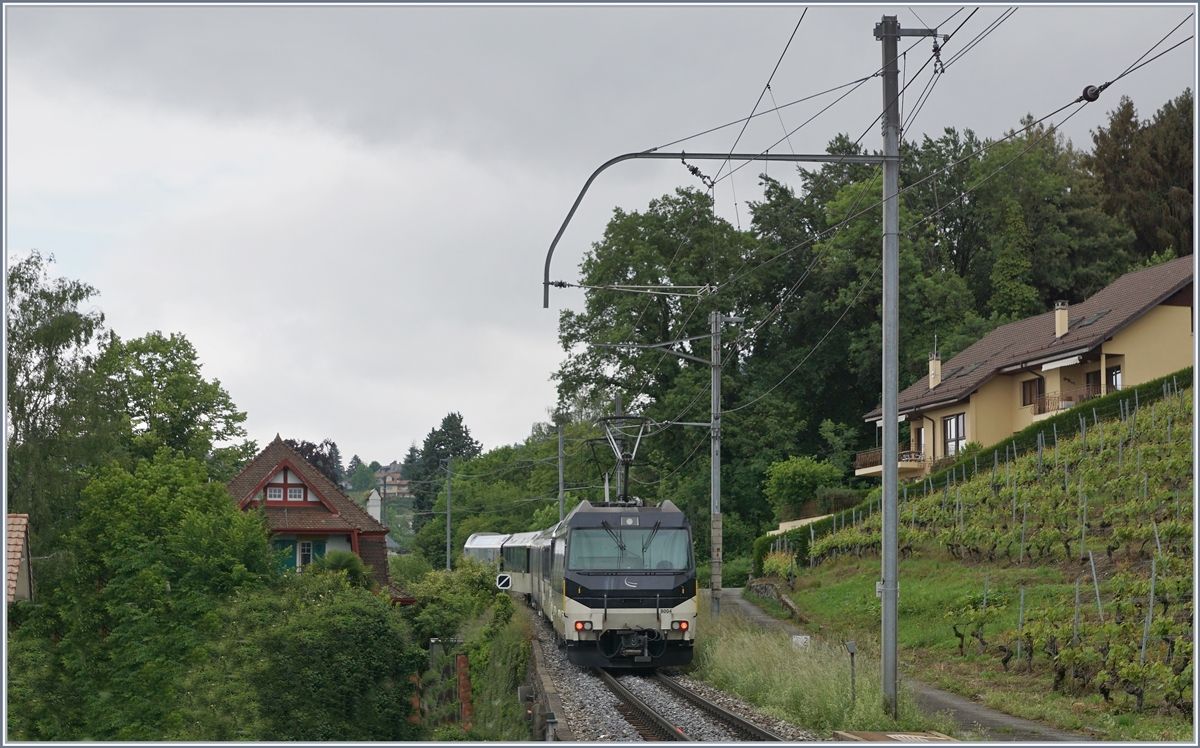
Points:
1144	174
498	647
427	469
809	687
337	671
840	440
834	498
407	569
171	405
1013	296
796	481
62	419
362	478
547	516
778	564
735	570
350	564
156	552
311	658
447	599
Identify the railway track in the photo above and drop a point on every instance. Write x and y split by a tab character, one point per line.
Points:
651	724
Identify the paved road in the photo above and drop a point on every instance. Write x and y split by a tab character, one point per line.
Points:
988	723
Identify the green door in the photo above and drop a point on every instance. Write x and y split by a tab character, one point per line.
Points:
289	559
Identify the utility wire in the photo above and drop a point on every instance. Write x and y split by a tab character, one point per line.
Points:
787	296
819	342
1082	101
856	82
1131	68
1007	14
837	228
681	465
746	122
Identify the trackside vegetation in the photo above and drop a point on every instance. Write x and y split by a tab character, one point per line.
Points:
809	686
1056	585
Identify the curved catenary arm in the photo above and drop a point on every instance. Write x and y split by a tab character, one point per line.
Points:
821	157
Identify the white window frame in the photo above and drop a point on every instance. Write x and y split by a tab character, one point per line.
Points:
301	547
295	493
275	489
954	441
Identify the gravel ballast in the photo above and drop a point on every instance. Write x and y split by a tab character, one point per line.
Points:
590	709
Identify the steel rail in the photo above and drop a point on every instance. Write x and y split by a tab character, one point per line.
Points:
737	723
654	720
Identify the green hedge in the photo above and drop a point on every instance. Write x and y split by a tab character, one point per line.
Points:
1066	422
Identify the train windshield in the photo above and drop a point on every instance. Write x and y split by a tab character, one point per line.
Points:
612	548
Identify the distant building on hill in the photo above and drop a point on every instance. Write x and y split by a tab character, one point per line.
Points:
1139	328
391	484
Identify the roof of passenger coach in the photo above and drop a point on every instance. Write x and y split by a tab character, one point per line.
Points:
487	540
521	538
587	515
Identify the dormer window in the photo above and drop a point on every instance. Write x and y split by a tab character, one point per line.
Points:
287	486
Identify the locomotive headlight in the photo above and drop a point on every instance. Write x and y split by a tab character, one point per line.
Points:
679	625
583	625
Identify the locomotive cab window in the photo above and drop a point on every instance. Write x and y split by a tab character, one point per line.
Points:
615	548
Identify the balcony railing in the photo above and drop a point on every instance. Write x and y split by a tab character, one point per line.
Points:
1053	401
874	457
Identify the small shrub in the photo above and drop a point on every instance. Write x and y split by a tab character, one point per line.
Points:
777	564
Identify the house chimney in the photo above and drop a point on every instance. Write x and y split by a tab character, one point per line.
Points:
1060	318
935	369
374	505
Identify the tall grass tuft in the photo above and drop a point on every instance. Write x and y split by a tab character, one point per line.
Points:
808	687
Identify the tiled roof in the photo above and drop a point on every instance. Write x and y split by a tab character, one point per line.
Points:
16	538
399	596
350	515
1031	340
373	552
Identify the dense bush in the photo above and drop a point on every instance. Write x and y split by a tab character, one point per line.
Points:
734	572
448	599
795	481
175	624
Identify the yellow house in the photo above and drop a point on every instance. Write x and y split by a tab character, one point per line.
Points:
1139	328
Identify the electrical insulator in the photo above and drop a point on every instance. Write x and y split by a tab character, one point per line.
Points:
1091	93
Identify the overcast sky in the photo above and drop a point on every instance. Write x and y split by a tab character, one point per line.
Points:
347	209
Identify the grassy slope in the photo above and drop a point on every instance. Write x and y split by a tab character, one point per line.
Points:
839	594
809	688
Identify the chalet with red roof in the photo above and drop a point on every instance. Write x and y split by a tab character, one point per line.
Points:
308	515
